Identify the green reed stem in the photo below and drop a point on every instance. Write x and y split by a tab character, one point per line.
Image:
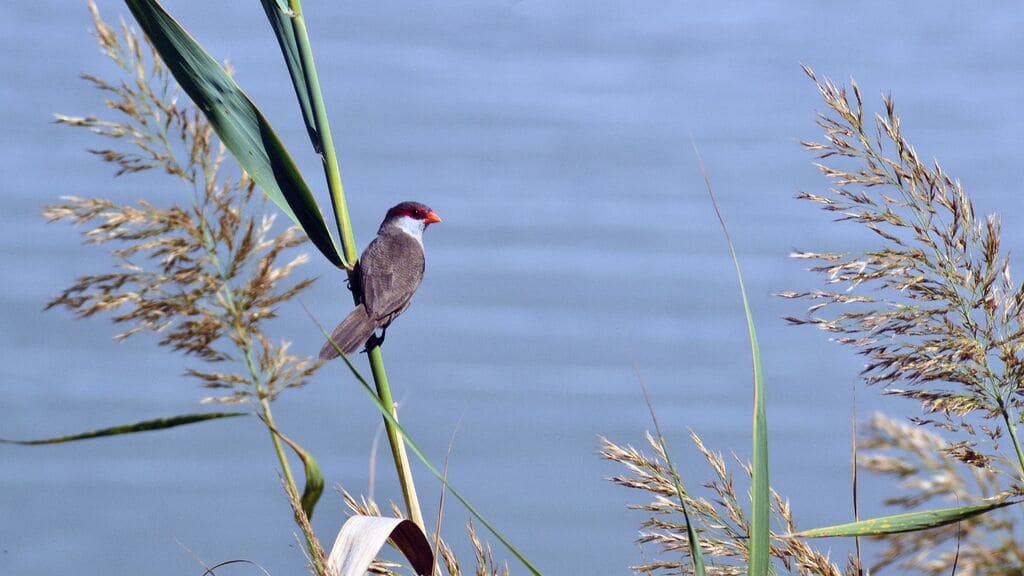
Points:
348	247
380	379
282	457
1012	429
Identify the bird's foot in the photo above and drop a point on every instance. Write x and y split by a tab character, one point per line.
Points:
375	340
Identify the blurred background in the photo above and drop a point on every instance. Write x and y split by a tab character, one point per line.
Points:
578	247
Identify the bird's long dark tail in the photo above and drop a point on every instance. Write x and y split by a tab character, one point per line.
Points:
352	333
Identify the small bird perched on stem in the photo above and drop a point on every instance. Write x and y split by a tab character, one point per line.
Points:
388	272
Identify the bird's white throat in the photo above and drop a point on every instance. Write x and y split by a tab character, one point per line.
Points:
411	226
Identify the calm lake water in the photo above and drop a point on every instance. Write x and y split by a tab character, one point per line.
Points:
578	243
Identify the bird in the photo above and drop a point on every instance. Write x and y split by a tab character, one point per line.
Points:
388	272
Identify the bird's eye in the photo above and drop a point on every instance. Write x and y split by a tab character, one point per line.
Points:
418	213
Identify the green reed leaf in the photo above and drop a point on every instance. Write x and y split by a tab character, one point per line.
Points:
314	486
280	17
145	426
238	122
760	538
909	522
760	492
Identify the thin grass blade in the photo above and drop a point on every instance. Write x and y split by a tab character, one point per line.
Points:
760	538
909	522
212	570
383	408
314	486
144	426
693	541
240	125
362	537
280	19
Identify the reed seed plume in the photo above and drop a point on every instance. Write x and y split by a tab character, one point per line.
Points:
932	304
205	273
720	518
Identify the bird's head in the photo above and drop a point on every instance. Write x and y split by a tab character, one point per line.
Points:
412	217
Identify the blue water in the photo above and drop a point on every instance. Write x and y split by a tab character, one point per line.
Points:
578	243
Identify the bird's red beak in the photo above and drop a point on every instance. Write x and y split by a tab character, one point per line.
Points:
432	218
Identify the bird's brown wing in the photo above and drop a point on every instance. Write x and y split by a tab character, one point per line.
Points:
391	269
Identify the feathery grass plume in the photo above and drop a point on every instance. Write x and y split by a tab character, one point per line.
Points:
486	565
204	274
932	305
723	526
922	463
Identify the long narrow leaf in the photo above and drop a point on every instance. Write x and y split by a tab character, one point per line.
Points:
760	543
761	505
240	125
909	522
693	541
280	18
145	426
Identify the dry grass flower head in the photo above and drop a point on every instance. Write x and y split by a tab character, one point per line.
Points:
932	306
204	272
720	519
